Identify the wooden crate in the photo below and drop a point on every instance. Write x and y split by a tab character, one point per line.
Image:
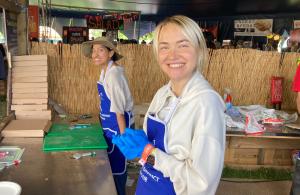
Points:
255	152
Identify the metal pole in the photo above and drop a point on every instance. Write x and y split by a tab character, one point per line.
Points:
139	27
8	57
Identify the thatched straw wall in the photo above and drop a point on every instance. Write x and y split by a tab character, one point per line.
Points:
246	72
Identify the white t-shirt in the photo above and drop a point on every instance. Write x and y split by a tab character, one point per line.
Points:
195	138
117	89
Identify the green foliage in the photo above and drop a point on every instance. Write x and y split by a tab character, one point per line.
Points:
147	37
95	33
2	38
98	33
121	35
261	173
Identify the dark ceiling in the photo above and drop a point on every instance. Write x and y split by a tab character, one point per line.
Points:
158	9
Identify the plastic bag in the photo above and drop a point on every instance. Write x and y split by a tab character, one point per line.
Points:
252	127
233	123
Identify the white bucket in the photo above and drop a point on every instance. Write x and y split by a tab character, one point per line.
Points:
10	188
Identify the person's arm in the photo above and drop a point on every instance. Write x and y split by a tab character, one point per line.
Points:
117	95
298	102
296	87
121	122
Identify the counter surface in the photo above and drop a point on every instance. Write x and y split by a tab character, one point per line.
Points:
277	132
56	173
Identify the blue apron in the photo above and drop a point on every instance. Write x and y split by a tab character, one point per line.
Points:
110	127
152	181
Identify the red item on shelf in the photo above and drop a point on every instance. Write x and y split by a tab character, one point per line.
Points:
228	98
276	90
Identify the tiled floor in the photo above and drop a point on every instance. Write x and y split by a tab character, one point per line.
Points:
131	184
133	172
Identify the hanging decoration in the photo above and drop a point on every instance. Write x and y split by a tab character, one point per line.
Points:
33	22
110	22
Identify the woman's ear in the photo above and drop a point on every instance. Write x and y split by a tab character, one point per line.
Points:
111	53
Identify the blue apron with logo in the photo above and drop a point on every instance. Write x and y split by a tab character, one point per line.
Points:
152	181
110	127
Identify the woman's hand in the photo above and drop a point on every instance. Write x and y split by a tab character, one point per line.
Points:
131	143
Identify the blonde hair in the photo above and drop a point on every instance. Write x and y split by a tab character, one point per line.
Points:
191	31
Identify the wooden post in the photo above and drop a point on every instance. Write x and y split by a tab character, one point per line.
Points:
9	84
22	28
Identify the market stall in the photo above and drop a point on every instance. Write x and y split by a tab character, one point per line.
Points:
247	72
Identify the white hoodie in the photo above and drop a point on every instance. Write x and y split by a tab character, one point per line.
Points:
195	139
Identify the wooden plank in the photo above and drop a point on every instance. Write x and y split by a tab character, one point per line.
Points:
33	114
30	85
30	90
29	63
2	87
229	154
29	79
259	151
9	84
253	167
4	122
42	73
274	157
37	107
30	95
260	156
264	136
268	156
26	128
283	157
29	58
30	101
240	142
29	69
241	156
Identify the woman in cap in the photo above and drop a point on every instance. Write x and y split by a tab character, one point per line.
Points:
181	147
116	102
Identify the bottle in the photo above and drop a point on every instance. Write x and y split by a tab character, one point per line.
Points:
227	98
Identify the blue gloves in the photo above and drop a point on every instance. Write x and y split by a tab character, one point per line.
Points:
131	143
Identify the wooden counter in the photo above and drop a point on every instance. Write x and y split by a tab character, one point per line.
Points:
56	173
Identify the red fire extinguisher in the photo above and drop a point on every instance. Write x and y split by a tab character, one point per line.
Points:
276	92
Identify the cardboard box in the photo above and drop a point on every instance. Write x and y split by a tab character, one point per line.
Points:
26	128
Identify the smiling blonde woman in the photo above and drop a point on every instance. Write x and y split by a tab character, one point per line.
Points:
182	142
